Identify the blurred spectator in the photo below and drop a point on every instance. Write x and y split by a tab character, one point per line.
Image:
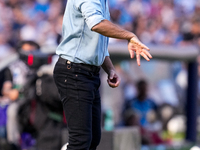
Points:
142	111
33	111
5	48
31	20
141	104
5	51
13	89
154	21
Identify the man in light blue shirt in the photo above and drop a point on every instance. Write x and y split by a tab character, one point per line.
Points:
80	44
83	50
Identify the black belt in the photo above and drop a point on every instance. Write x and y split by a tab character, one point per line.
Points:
87	67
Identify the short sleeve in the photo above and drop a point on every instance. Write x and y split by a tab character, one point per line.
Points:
107	53
91	11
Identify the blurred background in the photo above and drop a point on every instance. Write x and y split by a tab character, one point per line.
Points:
157	105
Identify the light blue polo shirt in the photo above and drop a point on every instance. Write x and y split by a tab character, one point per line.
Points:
79	44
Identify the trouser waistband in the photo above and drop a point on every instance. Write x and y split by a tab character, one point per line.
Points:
91	68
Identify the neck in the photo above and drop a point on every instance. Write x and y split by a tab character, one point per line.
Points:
142	97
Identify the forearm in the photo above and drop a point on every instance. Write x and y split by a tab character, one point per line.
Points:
109	29
107	65
113	79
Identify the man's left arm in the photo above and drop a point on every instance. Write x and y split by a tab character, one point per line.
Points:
113	79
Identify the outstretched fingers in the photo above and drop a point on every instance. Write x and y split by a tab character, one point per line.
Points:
131	52
144	46
138	58
145	56
147	53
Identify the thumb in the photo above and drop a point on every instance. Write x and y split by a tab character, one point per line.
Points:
111	75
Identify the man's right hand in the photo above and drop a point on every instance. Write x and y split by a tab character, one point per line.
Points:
135	46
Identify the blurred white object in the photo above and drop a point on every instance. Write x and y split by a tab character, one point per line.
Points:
181	79
177	124
167	112
28	32
195	148
65	146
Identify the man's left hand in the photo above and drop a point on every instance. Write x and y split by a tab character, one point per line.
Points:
139	48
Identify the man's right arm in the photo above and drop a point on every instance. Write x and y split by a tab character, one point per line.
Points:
107	28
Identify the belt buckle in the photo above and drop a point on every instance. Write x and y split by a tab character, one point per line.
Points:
68	64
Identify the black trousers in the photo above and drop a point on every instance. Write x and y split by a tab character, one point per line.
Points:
78	86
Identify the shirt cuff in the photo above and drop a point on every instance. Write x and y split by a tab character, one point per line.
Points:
94	20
